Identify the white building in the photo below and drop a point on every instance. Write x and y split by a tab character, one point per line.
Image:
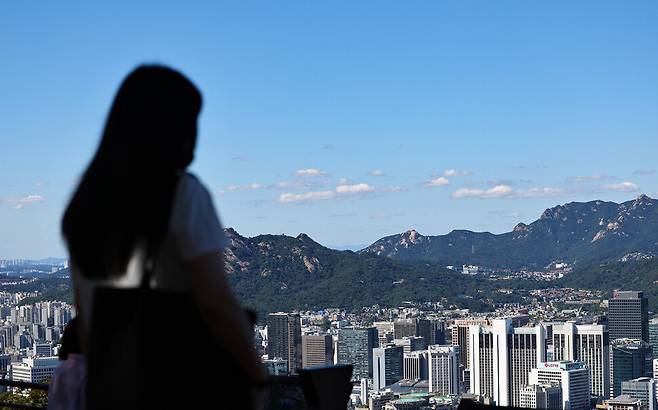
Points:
34	369
643	389
541	397
415	365
501	358
387	366
588	344
443	368
573	378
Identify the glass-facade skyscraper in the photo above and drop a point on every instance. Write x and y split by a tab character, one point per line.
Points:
355	347
628	316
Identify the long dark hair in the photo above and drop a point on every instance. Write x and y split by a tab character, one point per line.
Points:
125	196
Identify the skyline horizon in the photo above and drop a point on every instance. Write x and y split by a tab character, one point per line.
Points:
357	247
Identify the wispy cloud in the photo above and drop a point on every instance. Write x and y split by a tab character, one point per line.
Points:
251	186
644	171
436	182
310	173
455	173
589	178
377	173
498	191
313	196
506	191
386	215
625	186
240	158
19	203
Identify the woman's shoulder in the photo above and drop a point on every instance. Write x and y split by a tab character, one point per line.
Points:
190	186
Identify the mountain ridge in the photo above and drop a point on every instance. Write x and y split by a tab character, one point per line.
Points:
576	232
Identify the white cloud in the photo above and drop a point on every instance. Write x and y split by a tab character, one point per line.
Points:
498	191
455	173
541	192
440	181
588	178
354	189
506	191
377	173
310	173
252	186
19	203
644	171
625	186
312	196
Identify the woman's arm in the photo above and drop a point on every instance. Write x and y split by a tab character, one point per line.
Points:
227	319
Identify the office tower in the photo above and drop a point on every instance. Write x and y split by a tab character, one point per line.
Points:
388	366
624	402
628	316
404	327
432	330
443	368
5	361
653	336
460	337
541	397
588	344
284	337
364	391
411	343
501	357
355	347
42	349
527	348
643	389
572	377
34	369
629	359
415	365
385	332
317	350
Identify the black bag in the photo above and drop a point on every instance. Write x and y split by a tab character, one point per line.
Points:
150	348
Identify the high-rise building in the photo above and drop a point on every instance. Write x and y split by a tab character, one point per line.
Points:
405	327
541	397
502	357
432	330
411	343
415	365
460	329
317	350
443	368
34	369
355	347
588	344
628	316
284	337
653	336
629	359
388	366
572	377
643	389
42	349
526	346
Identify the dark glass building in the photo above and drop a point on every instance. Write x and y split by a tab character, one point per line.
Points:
628	316
284	339
355	347
629	359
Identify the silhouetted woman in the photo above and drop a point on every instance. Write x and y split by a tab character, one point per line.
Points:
136	206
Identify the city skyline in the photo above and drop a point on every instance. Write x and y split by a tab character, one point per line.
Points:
346	122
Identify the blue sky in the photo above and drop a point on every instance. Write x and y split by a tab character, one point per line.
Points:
345	120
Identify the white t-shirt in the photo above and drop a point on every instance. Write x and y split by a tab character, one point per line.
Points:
194	229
